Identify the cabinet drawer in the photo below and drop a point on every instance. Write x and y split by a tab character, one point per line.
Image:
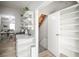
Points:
23	47
24	53
21	41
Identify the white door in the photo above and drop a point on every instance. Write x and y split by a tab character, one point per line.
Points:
53	33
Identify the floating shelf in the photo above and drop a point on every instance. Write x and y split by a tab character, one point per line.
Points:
70	16
69	33
69	38
70	13
69	53
69	19
69	9
71	48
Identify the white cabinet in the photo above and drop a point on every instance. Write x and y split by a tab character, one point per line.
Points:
23	45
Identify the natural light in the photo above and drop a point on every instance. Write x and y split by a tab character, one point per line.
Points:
12	26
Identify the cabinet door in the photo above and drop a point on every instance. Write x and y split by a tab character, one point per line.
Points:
53	33
23	46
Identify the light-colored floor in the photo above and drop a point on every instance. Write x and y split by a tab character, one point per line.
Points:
46	53
62	55
41	49
7	48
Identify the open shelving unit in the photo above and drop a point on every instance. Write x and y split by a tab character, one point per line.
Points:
27	20
70	31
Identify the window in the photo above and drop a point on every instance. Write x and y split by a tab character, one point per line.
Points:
12	26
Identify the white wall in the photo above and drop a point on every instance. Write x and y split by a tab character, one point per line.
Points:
14	12
43	34
0	23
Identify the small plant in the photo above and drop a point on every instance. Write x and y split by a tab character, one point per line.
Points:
24	10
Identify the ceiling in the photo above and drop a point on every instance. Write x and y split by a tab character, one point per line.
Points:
32	5
21	4
56	5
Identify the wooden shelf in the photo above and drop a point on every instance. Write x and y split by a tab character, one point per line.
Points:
70	13
70	16
71	48
70	38
69	9
70	19
70	29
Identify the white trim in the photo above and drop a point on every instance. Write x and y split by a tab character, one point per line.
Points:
36	31
71	48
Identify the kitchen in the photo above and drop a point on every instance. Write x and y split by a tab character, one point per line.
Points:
17	28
